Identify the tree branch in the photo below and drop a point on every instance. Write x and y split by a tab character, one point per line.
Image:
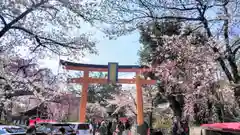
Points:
236	50
226	30
66	4
173	8
45	8
25	13
39	38
133	99
2	78
3	20
132	110
169	7
236	42
20	93
180	9
180	18
143	4
231	55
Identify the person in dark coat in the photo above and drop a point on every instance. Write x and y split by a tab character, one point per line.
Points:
120	128
178	129
99	124
175	126
94	126
109	128
103	128
62	130
114	126
31	129
127	125
185	127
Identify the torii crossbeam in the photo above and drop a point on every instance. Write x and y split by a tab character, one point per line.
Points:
112	69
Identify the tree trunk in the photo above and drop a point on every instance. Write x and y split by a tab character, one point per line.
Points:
177	106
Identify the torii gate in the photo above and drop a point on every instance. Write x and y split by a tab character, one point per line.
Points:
112	69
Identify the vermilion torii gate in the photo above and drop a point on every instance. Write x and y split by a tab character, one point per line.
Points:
112	69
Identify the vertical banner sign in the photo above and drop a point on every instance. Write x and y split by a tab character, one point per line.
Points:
112	72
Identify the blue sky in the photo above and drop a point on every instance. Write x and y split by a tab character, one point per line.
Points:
122	50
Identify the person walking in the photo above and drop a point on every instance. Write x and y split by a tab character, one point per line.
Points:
94	126
114	127
103	129
127	127
185	127
109	128
120	128
62	131
31	128
177	126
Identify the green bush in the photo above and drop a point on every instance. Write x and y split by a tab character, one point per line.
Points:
6	122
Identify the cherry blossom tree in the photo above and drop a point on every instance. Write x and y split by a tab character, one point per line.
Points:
187	71
40	25
152	38
21	78
96	110
123	17
126	101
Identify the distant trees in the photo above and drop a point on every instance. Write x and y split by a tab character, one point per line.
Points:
125	101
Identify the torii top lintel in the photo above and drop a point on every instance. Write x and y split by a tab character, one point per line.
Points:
102	68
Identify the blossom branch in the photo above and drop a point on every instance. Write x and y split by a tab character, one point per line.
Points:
39	38
21	16
3	20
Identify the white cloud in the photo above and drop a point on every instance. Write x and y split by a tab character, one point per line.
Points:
127	76
54	64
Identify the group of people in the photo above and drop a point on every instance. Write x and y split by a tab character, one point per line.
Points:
114	127
180	127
